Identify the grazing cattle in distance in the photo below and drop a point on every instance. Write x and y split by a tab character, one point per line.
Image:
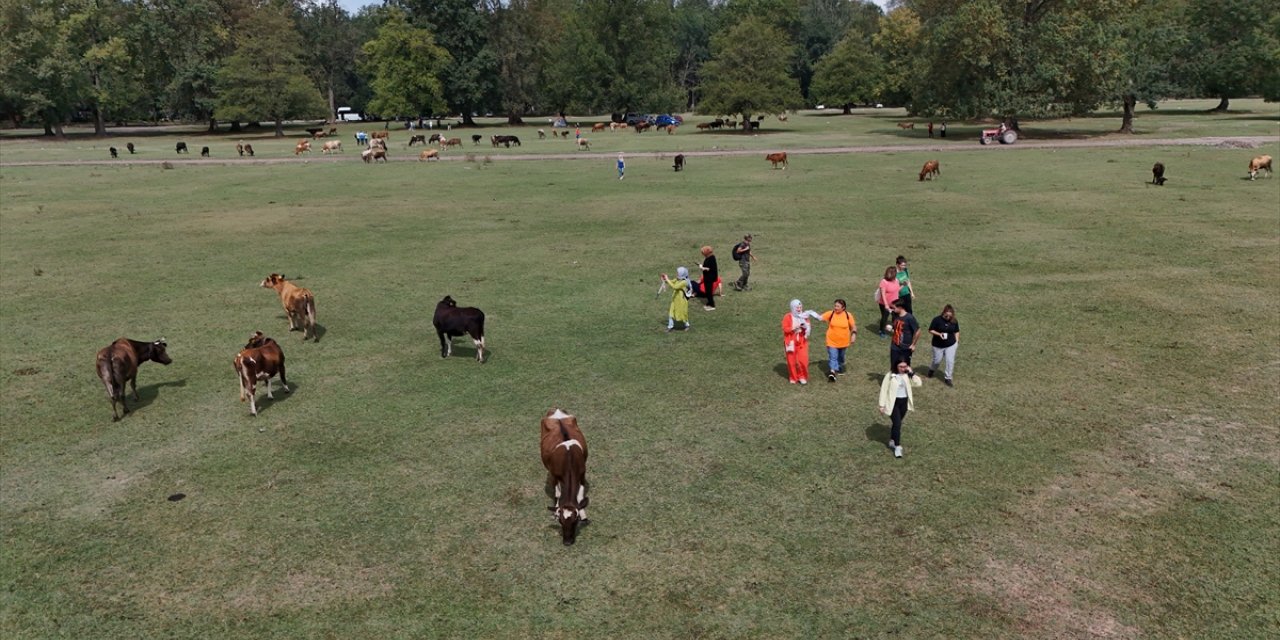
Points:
379	154
413	139
671	128
732	124
584	143
476	138
428	154
564	454
303	146
906	125
599	126
378	143
315	132
704	126
181	147
1157	174
782	117
333	131
435	138
129	146
452	142
299	304
565	134
204	152
679	165
542	135
505	141
450	320
617	126
261	359
114	153
367	155
380	135
641	127
240	149
117	365
779	158
248	148
930	170
1260	163
332	146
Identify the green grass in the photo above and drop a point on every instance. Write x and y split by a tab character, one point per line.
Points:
1106	467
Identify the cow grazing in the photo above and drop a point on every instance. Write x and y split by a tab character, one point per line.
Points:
332	146
380	135
303	146
779	158
505	141
367	155
129	146
451	320
378	154
564	134
435	138
181	147
1258	164
476	138
906	125
703	126
641	127
240	149
1157	174
679	165
671	128
564	454
584	143
930	170
298	304
451	142
428	154
542	135
248	148
413	139
599	126
333	131
261	359
204	152
118	365
114	153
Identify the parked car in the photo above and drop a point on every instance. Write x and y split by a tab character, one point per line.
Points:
666	120
633	119
345	114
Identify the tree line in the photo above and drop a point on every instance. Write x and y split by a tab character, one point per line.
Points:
239	61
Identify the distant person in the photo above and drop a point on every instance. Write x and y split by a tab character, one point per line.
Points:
622	167
679	309
842	332
742	254
896	401
946	336
930	129
943	130
906	332
905	289
710	278
795	342
885	295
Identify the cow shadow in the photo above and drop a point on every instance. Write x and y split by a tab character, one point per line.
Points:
148	393
469	353
878	432
264	403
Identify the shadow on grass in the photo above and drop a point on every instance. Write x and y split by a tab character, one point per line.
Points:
465	352
148	393
264	403
878	432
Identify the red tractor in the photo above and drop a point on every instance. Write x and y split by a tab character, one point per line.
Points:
1003	134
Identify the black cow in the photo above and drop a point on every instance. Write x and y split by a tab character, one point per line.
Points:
114	153
204	152
181	148
1157	174
117	366
451	320
421	139
129	146
476	138
505	141
679	165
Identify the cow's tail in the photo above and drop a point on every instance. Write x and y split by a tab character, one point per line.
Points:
241	374
113	384
311	315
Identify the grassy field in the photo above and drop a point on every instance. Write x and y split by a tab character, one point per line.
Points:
1107	465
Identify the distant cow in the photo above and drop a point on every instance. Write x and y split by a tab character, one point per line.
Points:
451	142
542	135
303	146
333	131
181	147
380	135
261	359
476	138
584	143
451	320
332	146
240	149
641	127
779	158
428	154
248	148
564	454
298	304
118	365
1260	163
505	141
129	146
671	128
906	125
704	126
599	126
434	138
421	139
367	155
114	153
679	165
204	152
1157	174
930	170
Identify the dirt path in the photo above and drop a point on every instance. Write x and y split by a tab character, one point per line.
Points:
1237	142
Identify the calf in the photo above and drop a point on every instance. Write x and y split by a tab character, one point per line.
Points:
204	152
129	146
298	304
248	148
930	170
584	143
181	147
114	153
679	165
451	142
564	454
451	320
428	154
240	149
1157	174
118	365
332	146
779	158
1258	164
413	139
261	359
303	146
476	138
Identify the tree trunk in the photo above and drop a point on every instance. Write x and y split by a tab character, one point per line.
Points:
1223	103
48	129
467	120
746	123
213	125
514	119
57	130
235	126
333	105
848	108
99	124
1126	125
279	128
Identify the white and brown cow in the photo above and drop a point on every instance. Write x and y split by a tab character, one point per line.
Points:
1260	163
260	359
117	366
564	454
450	320
298	303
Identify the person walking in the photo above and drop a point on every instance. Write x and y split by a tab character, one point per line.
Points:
906	332
885	295
710	278
742	254
622	167
679	309
842	332
905	290
931	129
943	129
945	330
795	342
896	401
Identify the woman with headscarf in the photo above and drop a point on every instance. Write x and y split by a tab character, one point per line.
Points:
710	278
679	309
795	341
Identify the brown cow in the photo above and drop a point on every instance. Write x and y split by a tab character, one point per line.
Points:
240	148
906	125
779	158
564	454
452	142
599	126
1257	164
261	359
332	146
248	148
584	143
302	147
671	128
380	135
428	154
298	303
930	169
118	365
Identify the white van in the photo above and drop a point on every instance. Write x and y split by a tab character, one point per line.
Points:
345	114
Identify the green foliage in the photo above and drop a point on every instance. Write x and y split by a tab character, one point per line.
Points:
41	71
748	73
265	79
850	74
331	43
1233	47
693	23
899	44
404	63
462	29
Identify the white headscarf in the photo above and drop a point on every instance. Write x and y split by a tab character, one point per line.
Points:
801	318
682	273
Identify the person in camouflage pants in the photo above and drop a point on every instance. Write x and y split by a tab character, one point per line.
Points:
742	253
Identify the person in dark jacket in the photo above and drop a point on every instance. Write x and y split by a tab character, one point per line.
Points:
710	278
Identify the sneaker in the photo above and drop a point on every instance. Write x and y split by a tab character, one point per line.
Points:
930	374
948	383
831	377
897	451
793	382
803	381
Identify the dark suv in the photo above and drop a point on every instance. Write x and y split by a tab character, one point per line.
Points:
633	119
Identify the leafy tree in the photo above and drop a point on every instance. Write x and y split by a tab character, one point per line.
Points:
521	46
899	45
404	64
824	23
693	23
181	80
265	79
1154	33
461	28
1230	56
850	74
748	72
329	37
573	76
41	75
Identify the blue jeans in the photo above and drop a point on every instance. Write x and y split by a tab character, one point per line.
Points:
835	359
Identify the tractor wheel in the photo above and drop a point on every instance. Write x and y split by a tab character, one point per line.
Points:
1009	137
984	140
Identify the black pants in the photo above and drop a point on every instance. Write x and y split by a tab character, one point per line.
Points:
709	286
884	318
899	412
898	354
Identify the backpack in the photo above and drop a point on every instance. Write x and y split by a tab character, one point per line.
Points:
738	253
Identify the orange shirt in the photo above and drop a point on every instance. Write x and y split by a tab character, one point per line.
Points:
839	328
